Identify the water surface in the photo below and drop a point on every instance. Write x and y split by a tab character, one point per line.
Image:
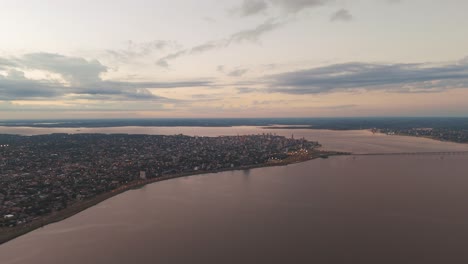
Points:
349	209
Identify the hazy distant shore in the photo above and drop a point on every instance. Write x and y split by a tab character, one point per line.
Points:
336	123
7	234
451	129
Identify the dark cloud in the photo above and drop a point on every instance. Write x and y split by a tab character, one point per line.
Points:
107	106
207	97
251	7
339	107
298	5
269	102
83	77
163	62
12	87
118	94
245	90
180	84
209	19
388	77
210	45
237	72
201	96
341	15
207	46
255	33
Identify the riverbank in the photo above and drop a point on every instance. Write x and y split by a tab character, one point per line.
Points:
7	234
418	136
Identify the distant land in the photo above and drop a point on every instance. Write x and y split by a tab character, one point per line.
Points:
315	123
454	129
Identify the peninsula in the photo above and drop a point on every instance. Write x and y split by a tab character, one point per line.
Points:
47	178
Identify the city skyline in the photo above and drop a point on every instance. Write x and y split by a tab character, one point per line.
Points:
252	58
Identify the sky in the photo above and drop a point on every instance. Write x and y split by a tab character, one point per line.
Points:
219	58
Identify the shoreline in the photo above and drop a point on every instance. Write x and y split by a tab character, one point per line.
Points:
364	129
424	137
15	232
77	129
262	127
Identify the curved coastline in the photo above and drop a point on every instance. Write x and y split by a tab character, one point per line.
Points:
15	232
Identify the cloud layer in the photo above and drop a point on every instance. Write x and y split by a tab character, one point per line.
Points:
135	50
341	15
298	5
252	35
253	7
81	77
402	78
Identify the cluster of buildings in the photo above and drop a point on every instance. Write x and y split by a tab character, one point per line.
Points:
443	134
43	174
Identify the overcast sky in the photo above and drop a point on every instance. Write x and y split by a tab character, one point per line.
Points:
220	58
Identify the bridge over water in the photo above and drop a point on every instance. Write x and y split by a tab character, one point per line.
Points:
438	153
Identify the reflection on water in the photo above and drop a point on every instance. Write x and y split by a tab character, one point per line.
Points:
361	209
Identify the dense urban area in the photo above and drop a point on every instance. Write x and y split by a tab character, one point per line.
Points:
40	175
442	134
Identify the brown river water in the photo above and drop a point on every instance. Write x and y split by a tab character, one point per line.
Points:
347	209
